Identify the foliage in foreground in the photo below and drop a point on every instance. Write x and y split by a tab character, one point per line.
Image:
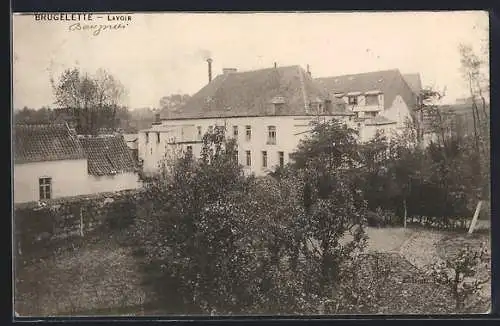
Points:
216	241
460	273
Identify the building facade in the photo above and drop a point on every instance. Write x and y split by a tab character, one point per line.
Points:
382	100
51	161
267	111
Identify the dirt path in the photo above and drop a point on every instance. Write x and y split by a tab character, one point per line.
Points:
421	248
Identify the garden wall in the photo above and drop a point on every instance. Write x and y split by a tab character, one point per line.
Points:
40	225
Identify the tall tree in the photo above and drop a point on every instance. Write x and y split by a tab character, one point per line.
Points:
93	100
173	102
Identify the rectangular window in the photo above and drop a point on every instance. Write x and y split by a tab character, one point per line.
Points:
353	100
199	132
236	156
264	159
248	158
271	135
321	108
371	100
190	148
248	133
220	130
45	186
281	157
235	131
371	114
157	137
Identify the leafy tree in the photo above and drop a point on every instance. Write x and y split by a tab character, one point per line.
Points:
173	102
333	207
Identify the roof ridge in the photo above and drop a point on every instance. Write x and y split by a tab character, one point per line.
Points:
260	70
362	73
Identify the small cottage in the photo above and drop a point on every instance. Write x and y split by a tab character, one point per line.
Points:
51	161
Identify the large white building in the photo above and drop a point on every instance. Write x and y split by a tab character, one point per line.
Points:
268	112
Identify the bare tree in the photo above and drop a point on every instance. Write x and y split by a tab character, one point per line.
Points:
93	100
475	73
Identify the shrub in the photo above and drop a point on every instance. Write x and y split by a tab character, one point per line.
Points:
460	274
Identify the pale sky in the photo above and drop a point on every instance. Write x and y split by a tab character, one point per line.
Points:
164	53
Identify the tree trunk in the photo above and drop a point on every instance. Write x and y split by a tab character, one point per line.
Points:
325	264
474	112
405	213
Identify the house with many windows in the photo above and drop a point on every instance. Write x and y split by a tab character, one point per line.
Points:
381	100
51	161
267	112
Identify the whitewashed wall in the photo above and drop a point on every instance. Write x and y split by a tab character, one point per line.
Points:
69	178
289	131
398	112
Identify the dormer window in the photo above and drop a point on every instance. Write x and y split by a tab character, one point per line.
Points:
371	99
278	103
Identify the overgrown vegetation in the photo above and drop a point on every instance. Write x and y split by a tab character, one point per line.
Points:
216	241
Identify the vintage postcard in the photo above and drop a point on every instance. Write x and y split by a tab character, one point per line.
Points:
218	164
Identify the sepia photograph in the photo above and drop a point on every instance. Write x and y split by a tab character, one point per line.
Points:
251	163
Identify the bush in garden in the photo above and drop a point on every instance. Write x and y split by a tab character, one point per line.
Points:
214	241
460	274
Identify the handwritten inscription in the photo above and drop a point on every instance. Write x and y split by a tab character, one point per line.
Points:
96	29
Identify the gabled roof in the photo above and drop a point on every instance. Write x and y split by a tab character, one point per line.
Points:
390	82
413	80
107	155
45	142
252	93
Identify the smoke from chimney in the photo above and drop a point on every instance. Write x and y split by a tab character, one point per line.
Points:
209	60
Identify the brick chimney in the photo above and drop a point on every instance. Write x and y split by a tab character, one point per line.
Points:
209	60
157	119
308	71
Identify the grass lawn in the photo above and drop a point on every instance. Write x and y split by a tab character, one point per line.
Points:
104	274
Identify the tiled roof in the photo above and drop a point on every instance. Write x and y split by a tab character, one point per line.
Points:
390	82
45	142
252	93
107	155
413	80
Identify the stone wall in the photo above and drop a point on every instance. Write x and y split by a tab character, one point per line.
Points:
40	225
